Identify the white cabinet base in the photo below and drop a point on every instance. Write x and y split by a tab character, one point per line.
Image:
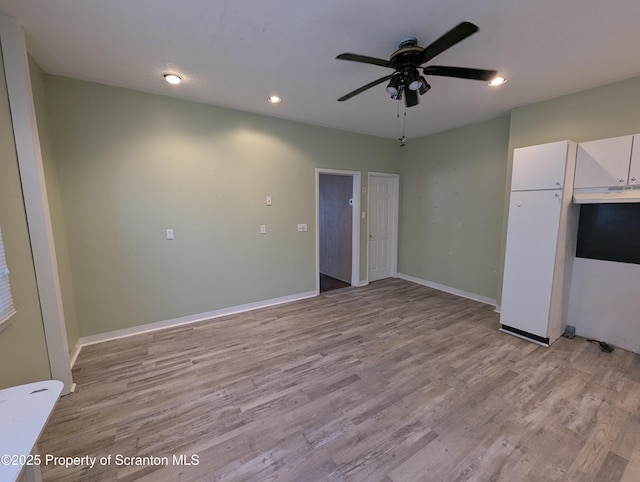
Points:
524	335
530	259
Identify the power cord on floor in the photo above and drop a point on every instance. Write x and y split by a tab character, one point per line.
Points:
603	346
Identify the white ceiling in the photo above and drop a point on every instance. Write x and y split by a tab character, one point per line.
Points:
235	53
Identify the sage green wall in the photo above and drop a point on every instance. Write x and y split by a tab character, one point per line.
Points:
55	204
23	352
456	176
607	111
130	165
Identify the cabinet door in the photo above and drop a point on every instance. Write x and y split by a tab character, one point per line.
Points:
539	167
532	235
634	170
603	163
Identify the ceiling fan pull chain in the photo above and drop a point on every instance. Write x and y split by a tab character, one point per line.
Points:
404	123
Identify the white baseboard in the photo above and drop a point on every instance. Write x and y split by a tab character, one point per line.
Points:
185	320
448	289
73	356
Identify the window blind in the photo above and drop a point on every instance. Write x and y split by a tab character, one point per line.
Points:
6	302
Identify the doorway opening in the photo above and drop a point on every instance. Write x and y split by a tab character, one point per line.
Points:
338	229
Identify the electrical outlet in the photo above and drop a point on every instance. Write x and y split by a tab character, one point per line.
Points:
302	228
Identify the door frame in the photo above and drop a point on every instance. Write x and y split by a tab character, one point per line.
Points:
34	192
395	215
355	224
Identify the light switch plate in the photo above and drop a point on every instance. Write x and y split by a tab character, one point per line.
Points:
302	228
169	233
263	229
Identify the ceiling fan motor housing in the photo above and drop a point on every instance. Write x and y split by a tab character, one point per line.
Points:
405	56
404	61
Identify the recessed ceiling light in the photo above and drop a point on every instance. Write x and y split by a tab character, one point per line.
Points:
172	78
496	81
274	99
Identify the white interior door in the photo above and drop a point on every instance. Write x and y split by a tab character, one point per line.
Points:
382	226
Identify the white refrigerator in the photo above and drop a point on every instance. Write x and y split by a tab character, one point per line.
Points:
540	247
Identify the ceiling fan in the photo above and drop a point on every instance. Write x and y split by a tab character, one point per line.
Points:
409	58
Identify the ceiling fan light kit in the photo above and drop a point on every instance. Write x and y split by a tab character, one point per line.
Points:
409	59
413	80
424	88
394	85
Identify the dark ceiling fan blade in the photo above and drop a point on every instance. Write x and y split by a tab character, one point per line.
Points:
449	39
364	59
410	97
460	72
363	88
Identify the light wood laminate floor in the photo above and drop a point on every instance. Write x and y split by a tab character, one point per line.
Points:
392	382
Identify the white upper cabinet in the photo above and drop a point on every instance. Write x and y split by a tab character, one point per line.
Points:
604	163
634	170
539	167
